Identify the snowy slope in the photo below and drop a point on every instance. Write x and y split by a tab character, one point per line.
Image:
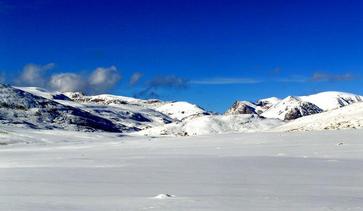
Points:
332	100
44	93
291	108
213	124
350	116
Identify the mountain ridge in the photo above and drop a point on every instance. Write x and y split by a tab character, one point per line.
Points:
38	108
300	105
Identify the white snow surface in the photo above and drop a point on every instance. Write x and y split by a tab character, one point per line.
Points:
60	170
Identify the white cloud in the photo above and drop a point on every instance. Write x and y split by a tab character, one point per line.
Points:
103	78
33	75
67	82
100	79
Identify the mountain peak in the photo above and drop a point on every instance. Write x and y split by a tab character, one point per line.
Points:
242	107
291	108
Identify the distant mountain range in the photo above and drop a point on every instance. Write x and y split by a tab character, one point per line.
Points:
41	109
293	107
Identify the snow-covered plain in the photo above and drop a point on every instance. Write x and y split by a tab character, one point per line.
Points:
60	170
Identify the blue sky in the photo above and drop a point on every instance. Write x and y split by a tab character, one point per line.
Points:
207	52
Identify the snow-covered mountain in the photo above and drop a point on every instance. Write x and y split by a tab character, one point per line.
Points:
174	110
247	107
332	100
135	114
18	107
350	116
294	107
38	108
242	107
291	108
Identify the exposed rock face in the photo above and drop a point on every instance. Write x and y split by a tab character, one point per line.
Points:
246	107
241	107
291	108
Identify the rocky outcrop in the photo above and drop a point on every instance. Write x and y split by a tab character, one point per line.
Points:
241	107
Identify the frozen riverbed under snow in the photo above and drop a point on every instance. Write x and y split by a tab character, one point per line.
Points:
58	170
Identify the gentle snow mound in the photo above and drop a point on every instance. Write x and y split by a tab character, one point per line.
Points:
180	110
214	124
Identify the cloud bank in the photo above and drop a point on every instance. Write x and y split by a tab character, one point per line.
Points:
99	80
102	79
